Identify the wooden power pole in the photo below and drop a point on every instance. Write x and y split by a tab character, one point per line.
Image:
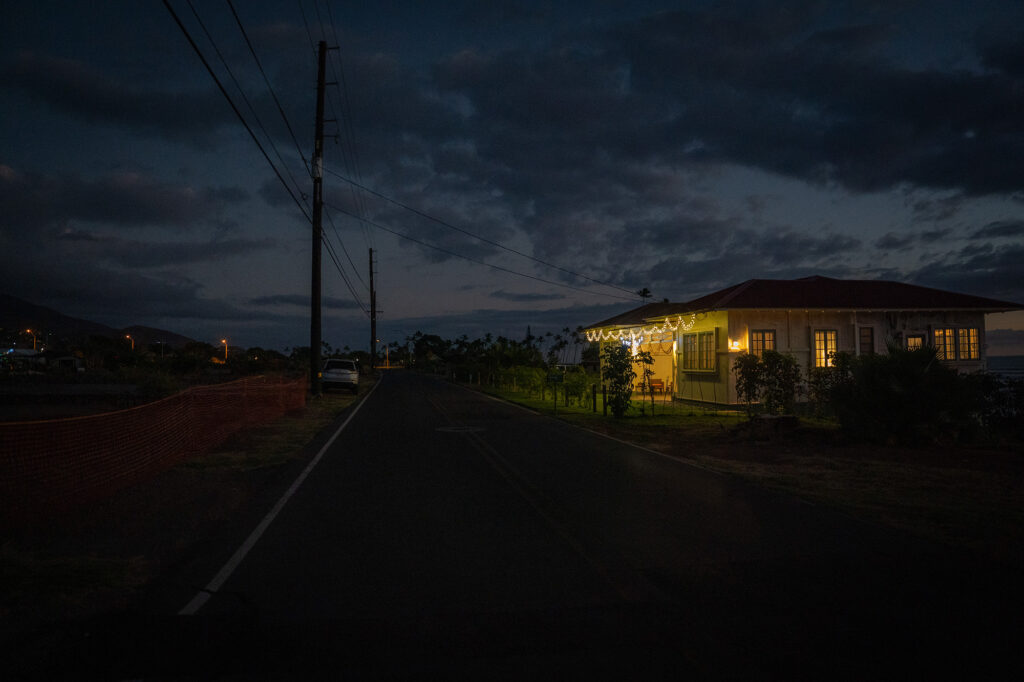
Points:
373	318
318	228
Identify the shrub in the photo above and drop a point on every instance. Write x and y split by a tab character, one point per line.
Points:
747	369
771	379
618	373
905	396
779	380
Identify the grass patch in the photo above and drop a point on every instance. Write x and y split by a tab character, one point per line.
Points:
276	442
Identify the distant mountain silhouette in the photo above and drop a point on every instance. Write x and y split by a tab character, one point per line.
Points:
18	314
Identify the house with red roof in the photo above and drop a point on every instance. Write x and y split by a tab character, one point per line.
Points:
694	344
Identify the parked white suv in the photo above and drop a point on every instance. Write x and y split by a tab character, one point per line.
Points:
341	374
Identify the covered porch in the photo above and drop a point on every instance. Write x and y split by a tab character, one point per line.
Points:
660	339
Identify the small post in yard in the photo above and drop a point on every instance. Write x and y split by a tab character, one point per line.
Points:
604	399
593	389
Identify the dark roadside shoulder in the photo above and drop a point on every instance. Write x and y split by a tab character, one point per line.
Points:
148	548
969	496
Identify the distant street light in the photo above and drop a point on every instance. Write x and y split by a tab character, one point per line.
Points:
129	337
225	342
29	331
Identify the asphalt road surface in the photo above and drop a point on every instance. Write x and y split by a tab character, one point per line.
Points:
444	533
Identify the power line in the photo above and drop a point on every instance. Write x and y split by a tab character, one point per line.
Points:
234	108
344	277
347	129
241	91
342	243
241	118
480	262
478	237
266	80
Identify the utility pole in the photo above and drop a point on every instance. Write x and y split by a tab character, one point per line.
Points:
373	318
318	227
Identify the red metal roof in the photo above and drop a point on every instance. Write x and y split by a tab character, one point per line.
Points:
821	293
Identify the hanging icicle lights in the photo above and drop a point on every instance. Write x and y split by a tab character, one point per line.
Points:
636	334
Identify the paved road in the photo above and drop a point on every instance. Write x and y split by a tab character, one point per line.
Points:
445	532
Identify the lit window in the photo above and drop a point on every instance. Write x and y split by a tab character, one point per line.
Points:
689	351
867	340
968	343
762	340
915	342
945	343
826	343
706	349
699	351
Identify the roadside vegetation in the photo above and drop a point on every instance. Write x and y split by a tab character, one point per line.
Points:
897	438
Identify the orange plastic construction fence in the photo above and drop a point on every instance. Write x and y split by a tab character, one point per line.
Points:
51	466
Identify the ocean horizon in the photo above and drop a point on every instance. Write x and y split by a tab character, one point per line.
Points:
1008	366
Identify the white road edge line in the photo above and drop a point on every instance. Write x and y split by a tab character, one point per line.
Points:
228	568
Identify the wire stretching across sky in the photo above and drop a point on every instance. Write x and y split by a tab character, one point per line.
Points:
479	262
252	134
485	240
234	108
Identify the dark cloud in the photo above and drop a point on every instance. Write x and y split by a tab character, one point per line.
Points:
891	241
74	88
138	254
126	199
1001	47
302	301
1001	228
508	323
935	235
932	208
754	89
524	297
983	270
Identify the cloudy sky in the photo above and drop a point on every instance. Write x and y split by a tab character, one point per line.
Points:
585	149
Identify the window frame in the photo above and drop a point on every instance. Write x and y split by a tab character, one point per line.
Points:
946	350
768	341
870	350
700	351
823	359
972	342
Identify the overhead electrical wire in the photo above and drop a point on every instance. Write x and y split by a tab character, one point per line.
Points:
347	129
330	219
234	107
266	80
485	240
337	264
357	197
241	91
241	118
480	262
298	147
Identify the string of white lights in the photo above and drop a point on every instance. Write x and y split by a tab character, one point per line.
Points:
637	334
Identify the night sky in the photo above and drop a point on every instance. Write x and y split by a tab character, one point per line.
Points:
682	147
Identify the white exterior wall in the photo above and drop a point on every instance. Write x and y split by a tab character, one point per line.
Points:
794	335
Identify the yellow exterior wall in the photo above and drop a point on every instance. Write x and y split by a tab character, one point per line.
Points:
714	386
